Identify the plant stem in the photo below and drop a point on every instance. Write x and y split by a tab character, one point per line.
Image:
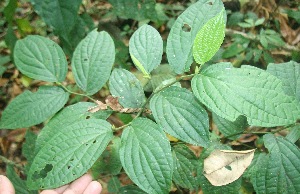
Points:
153	93
79	94
7	161
261	132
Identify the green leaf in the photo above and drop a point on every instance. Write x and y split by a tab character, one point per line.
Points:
84	24
113	185
29	108
28	147
10	38
127	88
92	61
18	183
66	117
9	10
135	9
40	58
146	156
263	40
231	188
209	39
234	49
178	113
259	21
69	153
255	165
293	14
158	76
109	162
3	61
146	48
249	91
229	128
279	171
294	134
61	15
186	164
130	189
289	74
184	30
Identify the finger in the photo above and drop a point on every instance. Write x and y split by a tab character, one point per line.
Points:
93	188
48	192
62	188
6	186
79	185
55	191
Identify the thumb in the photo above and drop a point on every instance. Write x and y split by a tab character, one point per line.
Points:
6	186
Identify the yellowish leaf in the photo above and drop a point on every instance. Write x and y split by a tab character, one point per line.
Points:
225	166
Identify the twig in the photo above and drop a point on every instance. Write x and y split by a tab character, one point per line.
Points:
153	93
253	37
7	161
261	132
79	94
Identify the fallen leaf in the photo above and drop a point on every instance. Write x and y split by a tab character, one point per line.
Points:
291	36
222	167
114	104
100	106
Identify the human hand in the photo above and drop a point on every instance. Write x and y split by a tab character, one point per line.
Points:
83	185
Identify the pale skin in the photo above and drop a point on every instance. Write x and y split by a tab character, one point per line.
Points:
83	185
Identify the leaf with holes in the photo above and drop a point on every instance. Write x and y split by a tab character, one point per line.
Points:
229	128
178	113
186	172
146	156
40	58
92	61
289	73
124	85
66	117
279	170
146	49
255	93
209	39
183	32
29	108
222	167
69	153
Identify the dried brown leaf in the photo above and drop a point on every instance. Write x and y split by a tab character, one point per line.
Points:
222	167
290	35
100	106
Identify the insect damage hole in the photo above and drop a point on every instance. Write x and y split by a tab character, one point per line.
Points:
210	3
43	173
228	167
186	28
